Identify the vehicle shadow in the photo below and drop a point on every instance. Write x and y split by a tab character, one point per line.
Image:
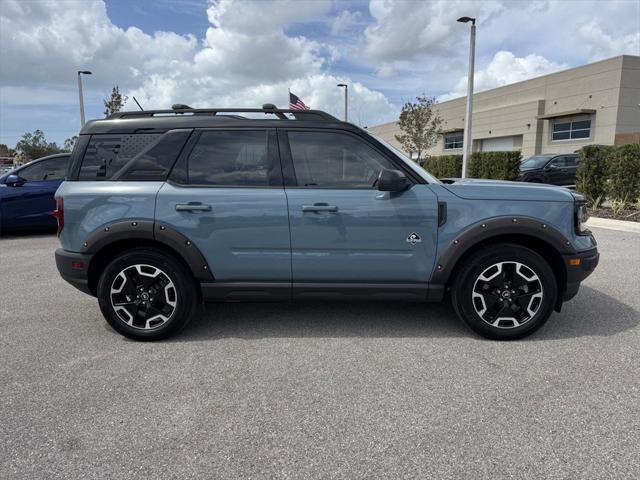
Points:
591	313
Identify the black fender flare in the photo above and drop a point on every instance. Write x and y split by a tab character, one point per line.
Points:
486	229
154	231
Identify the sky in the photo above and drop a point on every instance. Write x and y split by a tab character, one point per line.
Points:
244	53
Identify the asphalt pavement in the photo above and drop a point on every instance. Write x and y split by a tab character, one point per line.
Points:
322	390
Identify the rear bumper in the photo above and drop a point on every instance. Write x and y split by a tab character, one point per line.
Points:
576	274
73	267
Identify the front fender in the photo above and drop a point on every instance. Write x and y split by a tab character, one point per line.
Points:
494	227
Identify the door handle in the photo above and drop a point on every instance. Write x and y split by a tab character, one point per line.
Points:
320	207
192	207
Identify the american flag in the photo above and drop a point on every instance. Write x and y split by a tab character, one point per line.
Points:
295	103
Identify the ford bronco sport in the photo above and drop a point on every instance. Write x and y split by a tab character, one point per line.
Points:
164	209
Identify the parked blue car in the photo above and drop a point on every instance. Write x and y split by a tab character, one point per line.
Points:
27	194
166	209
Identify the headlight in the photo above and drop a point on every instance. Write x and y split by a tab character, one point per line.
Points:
581	217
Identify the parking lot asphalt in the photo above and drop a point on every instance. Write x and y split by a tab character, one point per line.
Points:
324	390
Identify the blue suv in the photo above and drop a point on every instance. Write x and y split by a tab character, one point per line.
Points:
164	209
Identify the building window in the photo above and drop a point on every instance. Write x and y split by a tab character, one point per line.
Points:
453	140
571	130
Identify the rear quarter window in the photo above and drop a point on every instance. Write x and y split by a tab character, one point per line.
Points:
107	154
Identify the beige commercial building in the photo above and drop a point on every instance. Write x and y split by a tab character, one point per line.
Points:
597	103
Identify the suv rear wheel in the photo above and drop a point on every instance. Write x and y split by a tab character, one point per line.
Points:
146	294
504	292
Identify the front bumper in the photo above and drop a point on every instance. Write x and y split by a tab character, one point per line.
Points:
74	268
577	273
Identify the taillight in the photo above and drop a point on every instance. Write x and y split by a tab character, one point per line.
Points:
59	214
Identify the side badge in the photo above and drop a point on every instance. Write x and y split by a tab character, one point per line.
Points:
413	238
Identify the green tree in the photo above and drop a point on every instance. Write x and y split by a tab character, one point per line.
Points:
114	102
69	143
5	151
419	124
34	145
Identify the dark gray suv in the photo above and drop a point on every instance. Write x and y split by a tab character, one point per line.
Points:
550	168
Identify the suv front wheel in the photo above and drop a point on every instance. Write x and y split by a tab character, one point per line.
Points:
504	291
146	294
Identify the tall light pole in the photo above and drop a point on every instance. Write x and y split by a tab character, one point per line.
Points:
466	144
80	73
346	100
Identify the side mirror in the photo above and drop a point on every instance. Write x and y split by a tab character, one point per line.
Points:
392	181
14	181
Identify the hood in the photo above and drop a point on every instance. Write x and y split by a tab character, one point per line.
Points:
480	189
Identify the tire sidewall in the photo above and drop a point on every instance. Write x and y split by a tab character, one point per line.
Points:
462	292
181	278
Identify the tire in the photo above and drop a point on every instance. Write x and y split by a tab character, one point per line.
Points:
163	306
481	301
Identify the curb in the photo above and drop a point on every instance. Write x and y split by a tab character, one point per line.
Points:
620	225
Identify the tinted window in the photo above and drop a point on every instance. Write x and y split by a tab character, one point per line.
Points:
53	169
535	162
571	161
106	154
560	162
155	163
571	130
231	158
328	159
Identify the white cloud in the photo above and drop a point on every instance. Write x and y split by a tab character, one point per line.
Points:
407	30
245	58
345	21
603	45
503	69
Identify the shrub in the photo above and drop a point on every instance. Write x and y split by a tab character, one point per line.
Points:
622	183
444	166
592	172
495	165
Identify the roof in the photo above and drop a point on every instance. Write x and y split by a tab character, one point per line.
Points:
181	116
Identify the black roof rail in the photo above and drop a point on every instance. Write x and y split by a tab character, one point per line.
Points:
267	108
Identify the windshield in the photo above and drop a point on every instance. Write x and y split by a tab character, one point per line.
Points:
537	161
410	163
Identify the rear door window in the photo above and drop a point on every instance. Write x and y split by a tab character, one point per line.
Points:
233	158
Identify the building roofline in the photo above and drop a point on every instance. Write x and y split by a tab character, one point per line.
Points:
610	59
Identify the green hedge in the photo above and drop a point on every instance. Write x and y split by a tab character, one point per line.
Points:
444	166
611	172
494	165
592	172
623	174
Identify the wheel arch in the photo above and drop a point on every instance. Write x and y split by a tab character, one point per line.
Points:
117	238
543	239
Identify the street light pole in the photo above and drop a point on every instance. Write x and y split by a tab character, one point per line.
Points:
346	100
467	141
80	73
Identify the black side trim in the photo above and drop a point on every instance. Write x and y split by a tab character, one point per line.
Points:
492	228
442	213
368	291
278	291
245	291
145	229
